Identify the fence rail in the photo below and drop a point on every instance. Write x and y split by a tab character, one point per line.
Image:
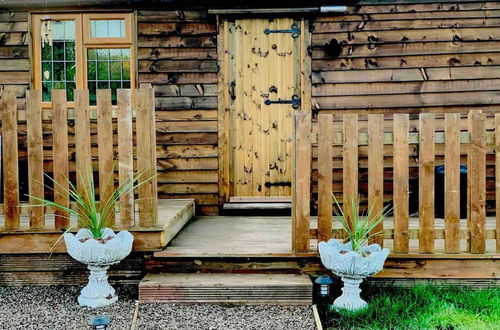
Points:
35	123
370	137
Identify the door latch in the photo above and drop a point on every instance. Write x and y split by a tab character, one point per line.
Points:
294	30
295	101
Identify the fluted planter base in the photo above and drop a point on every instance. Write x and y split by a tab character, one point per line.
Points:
350	298
98	292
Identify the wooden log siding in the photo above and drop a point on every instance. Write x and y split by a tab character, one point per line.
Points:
14	55
177	54
101	154
343	145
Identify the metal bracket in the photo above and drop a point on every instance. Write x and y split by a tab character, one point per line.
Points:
295	101
295	31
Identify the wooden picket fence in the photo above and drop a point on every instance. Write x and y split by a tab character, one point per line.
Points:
37	128
345	134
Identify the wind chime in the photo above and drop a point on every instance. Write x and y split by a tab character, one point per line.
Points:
46	30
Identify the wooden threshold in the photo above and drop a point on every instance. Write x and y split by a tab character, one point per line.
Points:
173	214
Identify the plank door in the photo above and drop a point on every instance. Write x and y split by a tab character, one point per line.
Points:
264	67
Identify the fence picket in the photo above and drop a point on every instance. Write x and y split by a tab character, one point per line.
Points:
60	155
82	140
125	155
401	186
301	190
350	161
325	176
376	170
477	182
8	107
452	182
426	182
144	127
105	149
497	179
35	157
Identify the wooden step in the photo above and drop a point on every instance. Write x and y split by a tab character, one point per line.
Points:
241	289
258	206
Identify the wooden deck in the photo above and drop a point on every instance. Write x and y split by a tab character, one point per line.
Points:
172	216
263	244
214	236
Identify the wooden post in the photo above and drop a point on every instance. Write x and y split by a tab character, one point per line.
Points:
301	192
376	170
401	188
426	182
497	179
125	155
477	182
8	107
350	163
452	182
105	151
82	141
325	176
35	157
60	155
144	130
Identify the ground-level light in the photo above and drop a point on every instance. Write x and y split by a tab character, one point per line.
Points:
100	322
323	283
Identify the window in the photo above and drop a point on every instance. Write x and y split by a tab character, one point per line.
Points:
91	51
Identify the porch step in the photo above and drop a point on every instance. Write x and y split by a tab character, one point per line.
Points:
258	206
245	289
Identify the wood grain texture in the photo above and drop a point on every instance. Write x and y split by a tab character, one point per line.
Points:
35	157
302	182
125	155
477	182
401	186
426	183
145	108
350	162
325	177
10	160
105	149
497	179
82	140
376	170
60	155
452	182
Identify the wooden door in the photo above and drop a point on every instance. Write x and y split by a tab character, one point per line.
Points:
264	67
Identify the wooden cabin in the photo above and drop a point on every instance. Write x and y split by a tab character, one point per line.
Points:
238	105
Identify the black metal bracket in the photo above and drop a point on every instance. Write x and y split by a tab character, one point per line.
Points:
295	101
294	30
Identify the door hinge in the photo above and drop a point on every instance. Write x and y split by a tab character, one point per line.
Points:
294	30
295	101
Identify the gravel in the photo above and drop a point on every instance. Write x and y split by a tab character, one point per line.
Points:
56	308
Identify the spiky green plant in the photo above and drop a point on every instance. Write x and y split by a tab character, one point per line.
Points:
359	226
92	214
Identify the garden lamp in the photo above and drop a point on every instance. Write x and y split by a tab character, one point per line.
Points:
323	283
100	322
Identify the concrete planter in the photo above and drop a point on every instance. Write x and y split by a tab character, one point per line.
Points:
98	257
352	267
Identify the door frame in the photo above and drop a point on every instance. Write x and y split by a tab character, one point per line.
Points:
223	98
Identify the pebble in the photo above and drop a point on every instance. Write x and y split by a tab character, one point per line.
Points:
55	307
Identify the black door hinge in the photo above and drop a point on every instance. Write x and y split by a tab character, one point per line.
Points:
295	101
294	30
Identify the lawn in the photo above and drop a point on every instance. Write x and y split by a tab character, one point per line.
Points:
422	307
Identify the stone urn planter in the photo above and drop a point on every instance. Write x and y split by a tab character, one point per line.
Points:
352	267
98	255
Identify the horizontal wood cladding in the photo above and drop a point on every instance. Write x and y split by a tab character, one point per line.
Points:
430	55
14	54
177	54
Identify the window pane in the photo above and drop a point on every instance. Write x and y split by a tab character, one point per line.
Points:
110	68
112	28
58	61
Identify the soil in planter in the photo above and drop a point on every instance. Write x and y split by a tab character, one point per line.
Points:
100	240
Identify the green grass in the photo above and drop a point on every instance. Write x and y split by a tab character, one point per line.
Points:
423	307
